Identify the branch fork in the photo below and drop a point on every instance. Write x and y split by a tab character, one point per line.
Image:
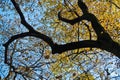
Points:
103	41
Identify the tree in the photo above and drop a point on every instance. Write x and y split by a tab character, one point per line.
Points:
103	40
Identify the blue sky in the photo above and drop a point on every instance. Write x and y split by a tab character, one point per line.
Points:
9	16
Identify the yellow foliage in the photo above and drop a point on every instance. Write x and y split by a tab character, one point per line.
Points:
107	14
86	76
47	54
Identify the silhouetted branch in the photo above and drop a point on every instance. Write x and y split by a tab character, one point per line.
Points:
104	40
73	21
88	27
114	4
34	34
23	21
75	45
83	6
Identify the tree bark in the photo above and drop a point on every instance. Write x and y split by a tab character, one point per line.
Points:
103	41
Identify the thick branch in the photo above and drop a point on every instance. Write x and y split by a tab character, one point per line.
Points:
110	46
75	45
103	38
34	34
113	48
23	21
83	6
86	16
99	30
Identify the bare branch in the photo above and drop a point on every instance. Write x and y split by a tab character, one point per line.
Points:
114	4
34	34
75	45
83	6
23	21
73	21
104	40
102	36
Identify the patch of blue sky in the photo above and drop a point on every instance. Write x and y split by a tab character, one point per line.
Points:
115	78
35	17
4	69
1	52
1	49
7	21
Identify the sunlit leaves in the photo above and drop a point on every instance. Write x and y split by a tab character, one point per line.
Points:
33	56
47	54
86	76
23	69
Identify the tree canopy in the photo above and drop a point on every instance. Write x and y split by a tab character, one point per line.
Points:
60	39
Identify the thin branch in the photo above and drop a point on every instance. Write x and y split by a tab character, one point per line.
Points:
110	46
114	4
88	27
102	36
73	21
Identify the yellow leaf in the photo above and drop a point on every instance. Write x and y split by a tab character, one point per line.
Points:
86	76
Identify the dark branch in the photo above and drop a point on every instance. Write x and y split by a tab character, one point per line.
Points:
83	6
34	34
104	41
73	21
75	45
88	30
23	21
103	38
99	30
114	4
113	47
